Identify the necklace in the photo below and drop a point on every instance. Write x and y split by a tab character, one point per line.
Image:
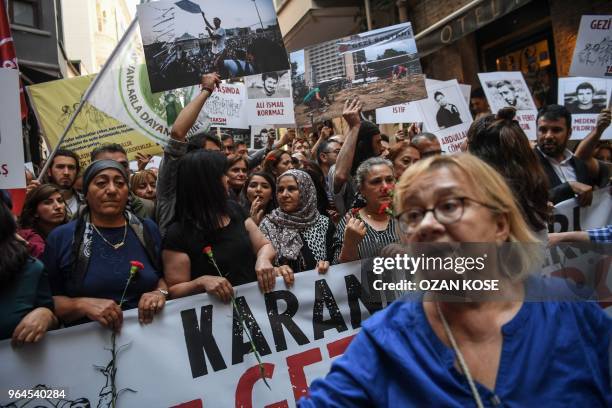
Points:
118	244
460	358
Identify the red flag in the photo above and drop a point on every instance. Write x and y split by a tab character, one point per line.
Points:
7	54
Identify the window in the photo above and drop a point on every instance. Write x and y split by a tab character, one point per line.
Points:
25	12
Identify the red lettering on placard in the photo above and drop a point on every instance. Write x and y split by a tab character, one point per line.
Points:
244	389
296	364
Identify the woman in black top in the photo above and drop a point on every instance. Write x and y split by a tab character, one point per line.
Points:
206	218
301	236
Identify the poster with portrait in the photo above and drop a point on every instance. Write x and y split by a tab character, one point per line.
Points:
593	52
504	89
259	136
584	98
380	67
269	98
185	39
446	114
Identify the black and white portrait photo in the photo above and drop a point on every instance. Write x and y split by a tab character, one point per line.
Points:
586	97
448	114
269	85
188	38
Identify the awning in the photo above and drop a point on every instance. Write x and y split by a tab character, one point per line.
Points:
462	22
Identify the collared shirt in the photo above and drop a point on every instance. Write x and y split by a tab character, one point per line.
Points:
563	169
602	235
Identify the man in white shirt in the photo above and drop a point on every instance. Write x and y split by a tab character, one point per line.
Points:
217	34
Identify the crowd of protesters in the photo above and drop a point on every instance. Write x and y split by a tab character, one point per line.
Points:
301	203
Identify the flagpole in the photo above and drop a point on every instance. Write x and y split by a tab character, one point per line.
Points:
89	90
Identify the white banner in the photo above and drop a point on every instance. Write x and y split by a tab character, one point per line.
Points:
269	98
226	107
509	89
585	98
12	171
569	216
593	52
195	353
446	114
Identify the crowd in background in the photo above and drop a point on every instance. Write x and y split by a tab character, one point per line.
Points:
301	202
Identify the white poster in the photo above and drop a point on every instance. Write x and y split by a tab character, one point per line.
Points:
269	98
569	216
593	52
584	98
408	112
12	171
195	352
259	136
226	107
509	89
446	114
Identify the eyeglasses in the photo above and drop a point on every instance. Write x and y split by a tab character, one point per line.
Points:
445	212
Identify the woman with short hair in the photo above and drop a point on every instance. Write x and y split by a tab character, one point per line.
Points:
89	259
369	226
277	162
468	347
144	184
237	171
403	155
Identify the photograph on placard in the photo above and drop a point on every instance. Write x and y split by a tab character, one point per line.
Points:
593	51
259	136
380	67
185	39
584	95
268	85
513	93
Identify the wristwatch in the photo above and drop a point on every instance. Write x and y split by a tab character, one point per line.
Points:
164	292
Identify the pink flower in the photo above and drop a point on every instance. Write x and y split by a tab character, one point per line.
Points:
208	251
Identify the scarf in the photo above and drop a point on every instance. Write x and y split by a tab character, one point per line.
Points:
284	229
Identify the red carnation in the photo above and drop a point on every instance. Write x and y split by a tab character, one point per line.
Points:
208	251
136	264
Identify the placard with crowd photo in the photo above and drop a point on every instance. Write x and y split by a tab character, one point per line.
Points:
269	98
380	67
585	98
446	114
508	88
188	38
593	51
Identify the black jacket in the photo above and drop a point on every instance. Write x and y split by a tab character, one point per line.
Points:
560	191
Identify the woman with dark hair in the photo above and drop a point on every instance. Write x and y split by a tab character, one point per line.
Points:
277	162
501	143
44	210
258	196
89	259
301	236
205	217
237	170
26	304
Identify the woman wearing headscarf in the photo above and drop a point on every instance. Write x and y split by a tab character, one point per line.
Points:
89	259
301	236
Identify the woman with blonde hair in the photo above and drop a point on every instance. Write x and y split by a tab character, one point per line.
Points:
144	184
496	347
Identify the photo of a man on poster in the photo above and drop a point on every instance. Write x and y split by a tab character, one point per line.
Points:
582	101
186	39
448	115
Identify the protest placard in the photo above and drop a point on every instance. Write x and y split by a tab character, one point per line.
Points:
593	51
446	114
269	98
185	39
195	351
380	67
569	216
584	98
226	107
504	89
12	170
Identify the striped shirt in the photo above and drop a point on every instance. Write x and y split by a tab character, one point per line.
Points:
371	244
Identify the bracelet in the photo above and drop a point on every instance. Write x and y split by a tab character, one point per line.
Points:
210	90
163	292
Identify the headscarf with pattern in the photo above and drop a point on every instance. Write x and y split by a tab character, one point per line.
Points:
283	229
